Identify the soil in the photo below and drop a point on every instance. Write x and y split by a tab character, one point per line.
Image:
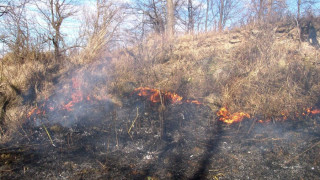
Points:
144	140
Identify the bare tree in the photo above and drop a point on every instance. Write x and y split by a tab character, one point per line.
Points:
306	5
54	12
268	10
189	15
16	33
105	17
151	13
225	8
4	7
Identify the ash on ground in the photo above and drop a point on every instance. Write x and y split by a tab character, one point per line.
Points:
142	140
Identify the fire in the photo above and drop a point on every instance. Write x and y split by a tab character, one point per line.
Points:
77	96
31	112
175	98
154	96
226	117
313	111
194	102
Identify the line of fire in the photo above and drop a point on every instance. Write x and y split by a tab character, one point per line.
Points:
154	96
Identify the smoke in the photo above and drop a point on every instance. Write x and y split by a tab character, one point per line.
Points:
80	96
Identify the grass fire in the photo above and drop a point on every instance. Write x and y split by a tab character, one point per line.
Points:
156	98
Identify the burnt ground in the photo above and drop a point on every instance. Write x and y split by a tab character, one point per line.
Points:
190	144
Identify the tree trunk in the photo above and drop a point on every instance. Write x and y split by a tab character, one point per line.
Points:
207	16
221	14
170	18
190	16
260	10
270	9
299	6
55	42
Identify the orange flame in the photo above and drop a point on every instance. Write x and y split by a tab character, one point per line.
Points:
194	102
313	112
31	112
154	95
175	98
76	97
226	117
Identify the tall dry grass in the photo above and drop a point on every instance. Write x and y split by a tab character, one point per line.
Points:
272	77
24	83
20	83
257	70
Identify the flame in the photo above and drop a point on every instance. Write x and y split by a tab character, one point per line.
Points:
31	112
313	111
194	102
77	96
226	117
154	95
237	117
175	98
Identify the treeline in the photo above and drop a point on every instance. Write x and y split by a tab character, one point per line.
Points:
32	27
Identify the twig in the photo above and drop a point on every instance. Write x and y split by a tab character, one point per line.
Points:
48	135
252	125
9	170
25	133
102	165
297	156
266	139
115	128
132	125
15	147
161	115
239	127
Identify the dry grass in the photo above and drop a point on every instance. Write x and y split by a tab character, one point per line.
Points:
93	50
258	71
272	78
21	82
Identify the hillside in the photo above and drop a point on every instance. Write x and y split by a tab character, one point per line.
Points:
268	72
264	72
240	103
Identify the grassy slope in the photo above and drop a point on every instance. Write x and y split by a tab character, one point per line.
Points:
264	72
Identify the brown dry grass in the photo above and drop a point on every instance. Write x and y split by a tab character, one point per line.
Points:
24	83
272	77
20	84
256	70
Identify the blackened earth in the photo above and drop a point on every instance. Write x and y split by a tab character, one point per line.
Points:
178	141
